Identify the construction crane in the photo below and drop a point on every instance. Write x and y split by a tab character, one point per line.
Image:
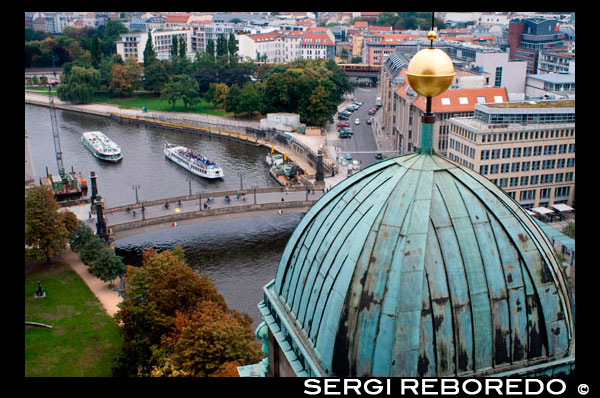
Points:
57	149
65	184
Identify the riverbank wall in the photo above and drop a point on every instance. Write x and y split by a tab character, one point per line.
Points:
245	131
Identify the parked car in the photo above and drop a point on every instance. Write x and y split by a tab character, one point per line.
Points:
345	134
368	121
358	103
356	164
357	121
348	156
372	111
342	117
378	156
343	124
350	108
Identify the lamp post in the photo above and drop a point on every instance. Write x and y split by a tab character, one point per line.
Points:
189	180
241	175
135	188
199	200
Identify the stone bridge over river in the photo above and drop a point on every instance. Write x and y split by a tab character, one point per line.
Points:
147	216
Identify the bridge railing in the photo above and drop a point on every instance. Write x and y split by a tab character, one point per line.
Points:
204	195
170	218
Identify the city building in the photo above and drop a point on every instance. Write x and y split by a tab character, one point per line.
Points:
525	148
317	44
550	86
402	108
408	108
556	62
278	46
288	45
528	36
503	72
133	44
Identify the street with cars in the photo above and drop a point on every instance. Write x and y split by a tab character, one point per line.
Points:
356	144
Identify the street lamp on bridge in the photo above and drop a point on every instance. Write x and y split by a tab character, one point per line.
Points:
241	175
189	180
135	188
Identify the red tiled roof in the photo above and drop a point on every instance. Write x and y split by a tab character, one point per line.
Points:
317	29
379	28
361	24
305	22
458	100
311	38
177	18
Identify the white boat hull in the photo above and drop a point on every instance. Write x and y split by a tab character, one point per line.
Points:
101	146
171	153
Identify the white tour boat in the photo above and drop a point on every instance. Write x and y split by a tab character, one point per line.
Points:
192	161
101	146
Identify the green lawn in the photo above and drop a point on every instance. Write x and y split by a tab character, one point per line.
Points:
155	103
84	340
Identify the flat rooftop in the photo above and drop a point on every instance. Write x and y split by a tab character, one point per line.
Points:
533	104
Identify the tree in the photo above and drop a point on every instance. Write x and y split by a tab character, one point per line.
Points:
321	105
70	221
107	266
155	75
80	237
232	48
149	54
124	79
217	94
239	75
189	90
78	85
208	340
205	77
182	49
90	252
170	92
174	48
250	99
182	87
96	51
45	232
210	49
232	101
222	53
175	323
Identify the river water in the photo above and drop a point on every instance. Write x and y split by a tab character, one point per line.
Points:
239	255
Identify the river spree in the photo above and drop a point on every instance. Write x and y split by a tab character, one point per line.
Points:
240	255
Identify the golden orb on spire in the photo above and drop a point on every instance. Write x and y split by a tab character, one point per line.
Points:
431	35
430	72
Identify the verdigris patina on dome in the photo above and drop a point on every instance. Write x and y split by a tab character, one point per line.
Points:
416	266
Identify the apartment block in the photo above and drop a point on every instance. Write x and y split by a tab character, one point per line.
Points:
525	148
402	108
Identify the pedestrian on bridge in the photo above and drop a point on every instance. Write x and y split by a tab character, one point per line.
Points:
134	214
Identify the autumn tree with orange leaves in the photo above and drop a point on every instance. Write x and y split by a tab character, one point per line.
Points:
175	323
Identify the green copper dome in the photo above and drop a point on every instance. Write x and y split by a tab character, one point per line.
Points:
416	266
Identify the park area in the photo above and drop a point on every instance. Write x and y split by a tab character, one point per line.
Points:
83	340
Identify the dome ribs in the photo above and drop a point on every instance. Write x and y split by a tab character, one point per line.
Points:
377	321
